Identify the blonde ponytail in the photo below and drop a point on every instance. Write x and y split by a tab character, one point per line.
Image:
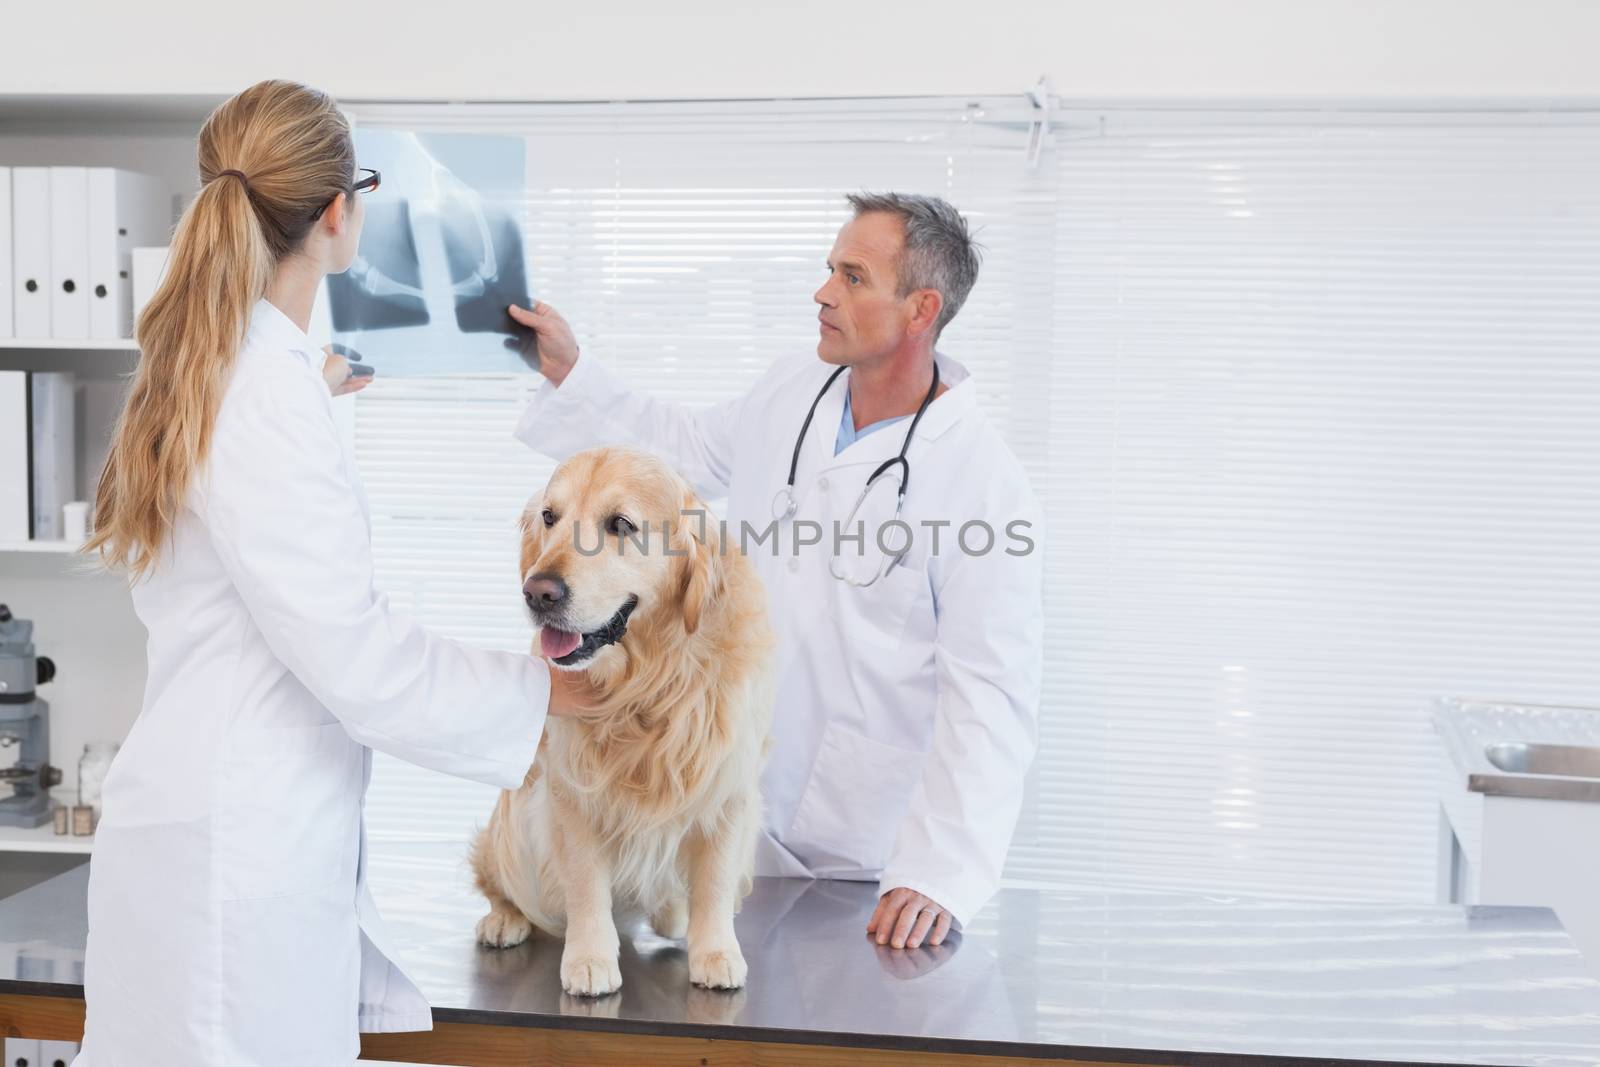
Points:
269	159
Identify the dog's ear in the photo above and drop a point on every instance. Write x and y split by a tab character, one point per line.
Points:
701	549
530	524
530	511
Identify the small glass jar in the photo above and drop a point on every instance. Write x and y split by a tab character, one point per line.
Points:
92	768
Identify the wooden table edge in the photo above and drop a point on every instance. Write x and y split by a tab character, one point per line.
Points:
60	1018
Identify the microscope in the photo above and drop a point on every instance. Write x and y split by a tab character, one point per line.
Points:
25	721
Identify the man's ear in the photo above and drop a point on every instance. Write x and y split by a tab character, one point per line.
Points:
928	305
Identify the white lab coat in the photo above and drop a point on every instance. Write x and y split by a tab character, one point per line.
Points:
229	919
907	710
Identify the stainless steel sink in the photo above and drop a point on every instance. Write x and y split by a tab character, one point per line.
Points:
1565	761
1512	749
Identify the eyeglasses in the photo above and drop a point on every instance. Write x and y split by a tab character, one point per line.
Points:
365	184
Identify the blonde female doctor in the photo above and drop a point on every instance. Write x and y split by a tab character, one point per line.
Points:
229	921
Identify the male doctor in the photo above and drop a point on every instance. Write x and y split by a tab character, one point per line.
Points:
909	641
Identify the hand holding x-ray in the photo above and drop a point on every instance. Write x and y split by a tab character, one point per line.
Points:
344	377
557	348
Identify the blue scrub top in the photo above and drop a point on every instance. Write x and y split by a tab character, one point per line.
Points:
849	435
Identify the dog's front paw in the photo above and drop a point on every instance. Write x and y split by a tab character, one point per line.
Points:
718	968
502	928
585	974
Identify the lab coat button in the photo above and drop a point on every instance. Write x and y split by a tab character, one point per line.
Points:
794	565
822	483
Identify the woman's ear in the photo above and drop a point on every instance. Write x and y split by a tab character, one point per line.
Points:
335	217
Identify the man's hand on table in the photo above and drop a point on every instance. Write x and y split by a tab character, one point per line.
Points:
904	918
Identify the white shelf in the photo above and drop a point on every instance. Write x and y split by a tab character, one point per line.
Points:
44	838
87	344
55	547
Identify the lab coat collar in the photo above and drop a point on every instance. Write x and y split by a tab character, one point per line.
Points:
946	410
272	331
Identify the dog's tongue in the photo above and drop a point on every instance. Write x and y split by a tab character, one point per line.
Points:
557	643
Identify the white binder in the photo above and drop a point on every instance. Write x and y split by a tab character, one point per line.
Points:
53	438
22	1050
57	1053
149	268
16	494
69	252
30	243
125	209
6	329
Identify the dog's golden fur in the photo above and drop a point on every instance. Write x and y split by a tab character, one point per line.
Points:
651	804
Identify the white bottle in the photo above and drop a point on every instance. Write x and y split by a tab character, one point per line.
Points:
92	768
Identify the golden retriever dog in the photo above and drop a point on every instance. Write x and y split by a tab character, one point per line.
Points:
649	805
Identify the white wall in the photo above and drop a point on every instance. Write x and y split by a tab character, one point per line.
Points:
612	49
87	626
622	49
86	623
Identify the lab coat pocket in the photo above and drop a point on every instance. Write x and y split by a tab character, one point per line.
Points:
290	979
878	613
290	801
854	802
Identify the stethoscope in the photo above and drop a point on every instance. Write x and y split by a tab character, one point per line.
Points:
785	503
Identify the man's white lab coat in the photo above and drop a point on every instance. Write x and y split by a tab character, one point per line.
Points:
907	710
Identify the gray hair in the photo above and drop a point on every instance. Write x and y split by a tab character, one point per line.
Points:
939	252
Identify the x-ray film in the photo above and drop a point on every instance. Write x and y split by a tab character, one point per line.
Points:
441	257
382	290
485	256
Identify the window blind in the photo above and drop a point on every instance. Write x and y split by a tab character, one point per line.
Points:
1309	399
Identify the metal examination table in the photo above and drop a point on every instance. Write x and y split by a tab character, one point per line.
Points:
1076	977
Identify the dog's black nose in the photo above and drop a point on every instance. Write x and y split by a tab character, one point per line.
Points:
544	591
